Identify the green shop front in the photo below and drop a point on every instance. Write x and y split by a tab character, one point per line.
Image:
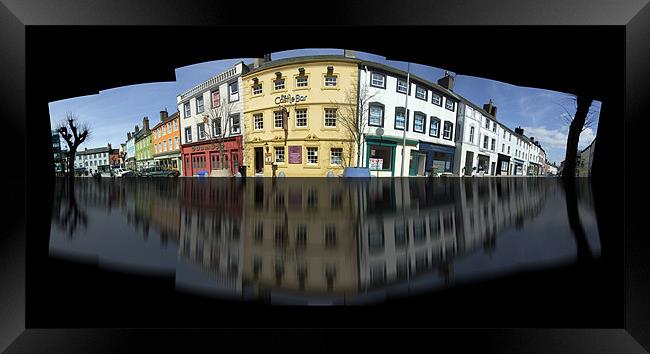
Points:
384	156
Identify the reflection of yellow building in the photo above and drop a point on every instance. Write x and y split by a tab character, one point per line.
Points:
294	113
292	246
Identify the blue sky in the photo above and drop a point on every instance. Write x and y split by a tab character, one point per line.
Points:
114	112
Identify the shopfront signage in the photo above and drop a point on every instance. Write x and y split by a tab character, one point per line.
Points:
207	147
295	154
282	99
376	164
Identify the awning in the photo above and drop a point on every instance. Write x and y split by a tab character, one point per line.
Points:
437	148
521	162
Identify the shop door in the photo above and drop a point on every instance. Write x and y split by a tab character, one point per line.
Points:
259	160
469	159
414	164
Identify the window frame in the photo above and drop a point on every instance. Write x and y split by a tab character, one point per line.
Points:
340	151
196	101
301	110
383	114
432	120
312	148
424	122
426	92
275	154
232	116
383	76
255	121
325	118
406	118
451	130
435	94
453	104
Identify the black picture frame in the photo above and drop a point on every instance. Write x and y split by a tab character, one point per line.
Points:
28	86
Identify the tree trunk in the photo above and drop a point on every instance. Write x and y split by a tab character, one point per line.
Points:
71	157
577	124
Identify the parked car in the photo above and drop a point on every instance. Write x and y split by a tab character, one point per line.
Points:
159	171
130	173
119	171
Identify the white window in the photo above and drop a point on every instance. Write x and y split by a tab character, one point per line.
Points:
434	127
312	155
421	93
176	143
487	123
169	143
279	154
234	124
257	89
449	104
216	127
446	132
278	119
164	146
186	108
494	126
471	134
302	81
378	80
376	115
336	155
330	117
401	86
199	104
175	126
437	99
278	84
200	128
486	141
418	122
493	146
301	117
188	134
233	90
330	80
258	121
400	118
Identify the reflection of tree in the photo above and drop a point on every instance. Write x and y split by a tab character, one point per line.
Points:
69	216
571	197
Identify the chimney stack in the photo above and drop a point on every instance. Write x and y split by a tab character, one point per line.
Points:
519	131
137	128
109	147
257	62
490	108
163	115
128	136
145	124
447	81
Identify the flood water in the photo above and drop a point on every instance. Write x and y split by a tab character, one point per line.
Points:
321	241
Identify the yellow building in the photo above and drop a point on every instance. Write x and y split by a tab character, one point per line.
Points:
295	112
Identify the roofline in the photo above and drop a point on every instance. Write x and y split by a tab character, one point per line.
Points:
303	59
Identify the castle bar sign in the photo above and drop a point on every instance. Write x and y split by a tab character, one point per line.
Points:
289	99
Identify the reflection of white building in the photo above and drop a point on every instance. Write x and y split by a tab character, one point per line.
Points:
430	122
211	230
409	229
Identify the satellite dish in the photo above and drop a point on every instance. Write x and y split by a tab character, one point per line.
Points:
379	131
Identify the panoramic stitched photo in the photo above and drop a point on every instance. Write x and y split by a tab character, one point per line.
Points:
429	179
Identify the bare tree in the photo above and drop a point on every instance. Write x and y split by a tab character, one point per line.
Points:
583	118
74	133
353	115
217	123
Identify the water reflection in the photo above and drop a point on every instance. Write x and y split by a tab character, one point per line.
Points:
323	241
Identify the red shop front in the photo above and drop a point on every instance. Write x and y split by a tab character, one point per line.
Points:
205	156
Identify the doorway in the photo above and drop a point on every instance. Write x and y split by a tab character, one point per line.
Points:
259	160
469	159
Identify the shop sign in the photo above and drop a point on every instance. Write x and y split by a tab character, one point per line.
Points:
290	99
295	154
207	147
267	159
376	164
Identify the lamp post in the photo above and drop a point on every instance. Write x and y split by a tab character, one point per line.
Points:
406	115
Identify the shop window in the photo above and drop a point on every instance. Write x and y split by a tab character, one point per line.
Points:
380	157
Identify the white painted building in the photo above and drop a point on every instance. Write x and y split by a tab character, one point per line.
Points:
210	110
429	118
93	160
476	142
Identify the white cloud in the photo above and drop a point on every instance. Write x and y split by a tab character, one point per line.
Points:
556	138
